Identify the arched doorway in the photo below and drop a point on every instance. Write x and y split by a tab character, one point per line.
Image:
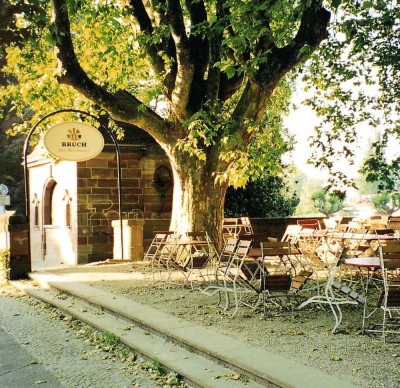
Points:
56	242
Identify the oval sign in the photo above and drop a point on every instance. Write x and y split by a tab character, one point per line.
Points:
73	141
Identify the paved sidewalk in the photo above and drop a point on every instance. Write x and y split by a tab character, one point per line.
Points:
18	368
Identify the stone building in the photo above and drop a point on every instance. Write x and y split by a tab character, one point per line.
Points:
72	204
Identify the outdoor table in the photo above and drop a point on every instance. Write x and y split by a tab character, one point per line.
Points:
337	294
231	227
362	262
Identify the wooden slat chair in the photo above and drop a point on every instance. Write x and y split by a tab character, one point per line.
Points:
280	278
336	293
242	277
388	306
231	228
170	259
291	235
188	254
223	262
154	247
246	225
312	254
151	256
359	247
330	223
201	253
394	222
312	223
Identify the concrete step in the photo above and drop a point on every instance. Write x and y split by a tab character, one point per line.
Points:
257	363
194	368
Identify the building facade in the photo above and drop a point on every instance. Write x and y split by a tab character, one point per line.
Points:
72	204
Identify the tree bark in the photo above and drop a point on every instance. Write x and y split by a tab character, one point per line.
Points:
198	202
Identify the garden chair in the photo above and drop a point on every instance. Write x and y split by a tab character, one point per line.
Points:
292	233
242	277
394	222
149	258
169	256
231	228
336	293
186	255
311	223
154	248
246	225
223	262
201	252
385	316
280	281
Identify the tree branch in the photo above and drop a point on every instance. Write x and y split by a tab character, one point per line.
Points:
199	51
145	25
312	30
121	105
185	68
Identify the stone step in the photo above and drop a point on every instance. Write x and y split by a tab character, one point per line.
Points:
195	369
259	365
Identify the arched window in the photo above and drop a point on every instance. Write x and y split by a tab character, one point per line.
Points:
48	201
35	210
68	200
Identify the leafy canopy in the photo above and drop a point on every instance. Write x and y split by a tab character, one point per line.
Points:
354	84
150	54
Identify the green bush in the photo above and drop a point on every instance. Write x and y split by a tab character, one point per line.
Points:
4	266
265	197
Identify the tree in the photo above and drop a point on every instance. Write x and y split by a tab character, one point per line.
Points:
264	197
306	205
354	85
328	203
386	203
197	76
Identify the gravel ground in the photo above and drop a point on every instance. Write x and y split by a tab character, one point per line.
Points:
73	352
304	335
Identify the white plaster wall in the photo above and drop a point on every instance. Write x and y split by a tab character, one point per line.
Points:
53	244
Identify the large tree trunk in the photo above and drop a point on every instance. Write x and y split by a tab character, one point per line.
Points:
198	202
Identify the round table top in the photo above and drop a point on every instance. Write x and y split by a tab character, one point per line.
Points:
367	262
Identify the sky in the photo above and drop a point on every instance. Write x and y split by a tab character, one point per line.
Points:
300	123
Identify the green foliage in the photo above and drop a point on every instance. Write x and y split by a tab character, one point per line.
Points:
386	202
328	203
109	340
377	169
114	52
264	197
353	83
5	266
11	170
306	190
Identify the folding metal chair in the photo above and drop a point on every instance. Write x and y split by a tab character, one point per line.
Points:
386	314
292	233
335	293
281	282
231	228
154	248
243	276
223	262
246	225
199	253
